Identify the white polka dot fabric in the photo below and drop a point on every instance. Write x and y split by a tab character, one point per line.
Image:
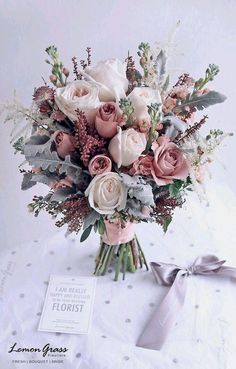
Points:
204	335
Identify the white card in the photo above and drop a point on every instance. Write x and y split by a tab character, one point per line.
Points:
68	305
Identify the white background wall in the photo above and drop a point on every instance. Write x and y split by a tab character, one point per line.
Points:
207	34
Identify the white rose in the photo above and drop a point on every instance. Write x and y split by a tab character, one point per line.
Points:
127	146
106	193
140	97
110	75
80	95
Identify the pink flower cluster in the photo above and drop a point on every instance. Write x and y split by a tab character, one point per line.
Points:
166	163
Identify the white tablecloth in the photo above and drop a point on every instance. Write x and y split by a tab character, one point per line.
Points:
204	336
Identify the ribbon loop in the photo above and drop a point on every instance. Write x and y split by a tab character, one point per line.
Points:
164	318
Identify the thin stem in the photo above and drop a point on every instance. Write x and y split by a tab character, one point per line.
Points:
103	253
119	261
125	259
108	260
131	259
141	251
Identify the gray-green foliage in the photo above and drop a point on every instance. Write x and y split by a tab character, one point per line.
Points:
200	101
91	219
161	68
37	144
62	193
174	125
49	160
30	179
134	208
138	189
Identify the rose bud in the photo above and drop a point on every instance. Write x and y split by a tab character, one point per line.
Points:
64	143
65	71
107	120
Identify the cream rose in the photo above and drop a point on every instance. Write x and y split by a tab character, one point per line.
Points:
106	193
110	75
140	98
80	95
127	146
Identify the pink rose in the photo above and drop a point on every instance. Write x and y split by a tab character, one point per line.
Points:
169	162
142	165
107	120
64	143
99	164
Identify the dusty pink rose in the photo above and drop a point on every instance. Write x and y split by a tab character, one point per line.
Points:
169	162
107	119
64	143
99	164
142	165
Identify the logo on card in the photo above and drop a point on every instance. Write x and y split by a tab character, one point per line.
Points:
46	350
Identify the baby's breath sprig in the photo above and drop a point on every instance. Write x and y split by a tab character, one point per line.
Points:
214	139
210	73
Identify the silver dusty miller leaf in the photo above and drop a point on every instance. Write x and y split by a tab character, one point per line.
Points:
174	126
201	101
138	189
37	144
49	160
161	67
62	193
134	207
91	219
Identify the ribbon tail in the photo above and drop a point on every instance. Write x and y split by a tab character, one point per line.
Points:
157	330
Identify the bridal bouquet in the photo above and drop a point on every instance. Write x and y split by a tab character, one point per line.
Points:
116	146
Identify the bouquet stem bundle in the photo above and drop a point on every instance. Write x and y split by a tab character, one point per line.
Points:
127	256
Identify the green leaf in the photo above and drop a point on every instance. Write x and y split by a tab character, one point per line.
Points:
211	72
86	233
91	219
166	223
175	187
101	226
178	185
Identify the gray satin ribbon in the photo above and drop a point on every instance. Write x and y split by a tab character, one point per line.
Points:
155	333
